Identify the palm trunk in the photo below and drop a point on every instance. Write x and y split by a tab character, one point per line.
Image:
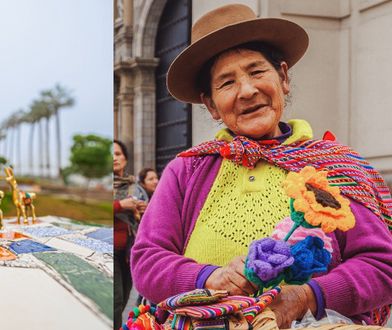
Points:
11	147
47	147
2	154
31	151
5	144
41	149
19	149
58	136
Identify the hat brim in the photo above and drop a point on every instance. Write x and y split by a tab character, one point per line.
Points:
286	36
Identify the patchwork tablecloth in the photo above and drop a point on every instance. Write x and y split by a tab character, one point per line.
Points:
63	275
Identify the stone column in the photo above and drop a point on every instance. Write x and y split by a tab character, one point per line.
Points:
116	119
126	114
143	73
123	103
123	37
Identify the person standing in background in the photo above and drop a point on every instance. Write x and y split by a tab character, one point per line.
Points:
127	211
146	184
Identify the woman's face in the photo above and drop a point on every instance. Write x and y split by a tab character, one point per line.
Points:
247	93
119	160
150	182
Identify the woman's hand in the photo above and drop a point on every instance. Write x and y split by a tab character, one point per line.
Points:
292	304
231	278
141	206
128	204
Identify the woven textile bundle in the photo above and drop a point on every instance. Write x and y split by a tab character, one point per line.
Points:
195	297
228	312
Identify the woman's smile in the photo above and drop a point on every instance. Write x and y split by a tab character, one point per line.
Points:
254	109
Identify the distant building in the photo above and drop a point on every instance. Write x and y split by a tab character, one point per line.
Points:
342	84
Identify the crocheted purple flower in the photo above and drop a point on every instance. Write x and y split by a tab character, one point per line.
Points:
266	261
310	257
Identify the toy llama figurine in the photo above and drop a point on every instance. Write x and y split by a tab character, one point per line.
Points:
22	201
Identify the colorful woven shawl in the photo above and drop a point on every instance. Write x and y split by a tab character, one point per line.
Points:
356	178
346	168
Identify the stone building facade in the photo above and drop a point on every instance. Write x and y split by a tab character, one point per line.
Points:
342	84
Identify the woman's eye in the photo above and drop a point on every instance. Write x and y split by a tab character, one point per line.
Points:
226	83
256	72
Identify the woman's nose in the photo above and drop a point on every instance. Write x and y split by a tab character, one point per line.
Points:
247	89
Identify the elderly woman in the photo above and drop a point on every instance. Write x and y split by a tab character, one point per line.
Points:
216	198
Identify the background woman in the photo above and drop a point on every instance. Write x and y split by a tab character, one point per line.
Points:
146	184
126	215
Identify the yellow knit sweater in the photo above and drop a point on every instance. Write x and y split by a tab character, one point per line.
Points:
243	205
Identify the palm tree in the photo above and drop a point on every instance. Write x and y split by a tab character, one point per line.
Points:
19	120
38	113
33	117
29	119
3	141
3	128
56	99
13	130
11	124
46	115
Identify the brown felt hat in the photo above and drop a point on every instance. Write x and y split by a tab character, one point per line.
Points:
224	28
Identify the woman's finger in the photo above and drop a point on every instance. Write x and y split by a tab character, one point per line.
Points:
239	268
241	282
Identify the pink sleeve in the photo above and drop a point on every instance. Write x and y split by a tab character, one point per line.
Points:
363	281
159	269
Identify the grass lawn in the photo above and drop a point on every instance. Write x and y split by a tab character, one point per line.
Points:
91	212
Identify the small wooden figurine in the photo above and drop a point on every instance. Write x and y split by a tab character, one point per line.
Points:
23	201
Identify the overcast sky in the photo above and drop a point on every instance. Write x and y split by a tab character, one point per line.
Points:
44	42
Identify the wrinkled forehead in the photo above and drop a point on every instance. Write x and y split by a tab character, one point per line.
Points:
237	57
238	52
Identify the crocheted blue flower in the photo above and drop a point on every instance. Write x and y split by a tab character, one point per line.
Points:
266	261
309	257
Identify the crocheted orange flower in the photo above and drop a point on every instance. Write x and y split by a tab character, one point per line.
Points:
323	205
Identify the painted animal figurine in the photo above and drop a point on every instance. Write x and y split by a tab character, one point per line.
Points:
1	212
23	201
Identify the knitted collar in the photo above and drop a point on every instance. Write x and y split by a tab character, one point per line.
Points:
245	151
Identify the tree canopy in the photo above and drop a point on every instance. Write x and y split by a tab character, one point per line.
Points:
91	156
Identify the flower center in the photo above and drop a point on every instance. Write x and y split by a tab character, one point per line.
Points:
323	197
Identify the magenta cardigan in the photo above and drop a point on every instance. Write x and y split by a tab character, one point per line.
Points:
359	277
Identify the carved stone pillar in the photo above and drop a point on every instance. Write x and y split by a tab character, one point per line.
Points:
143	73
125	124
123	102
116	86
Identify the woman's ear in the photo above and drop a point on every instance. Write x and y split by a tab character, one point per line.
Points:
209	103
284	77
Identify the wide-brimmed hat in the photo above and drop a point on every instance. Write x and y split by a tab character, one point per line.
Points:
224	28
